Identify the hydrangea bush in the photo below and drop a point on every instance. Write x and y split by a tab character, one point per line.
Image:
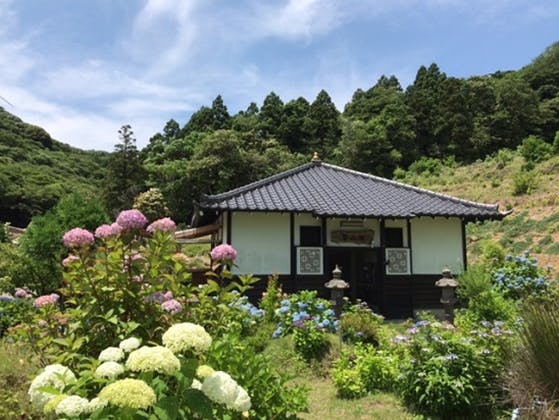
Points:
130	283
360	324
521	277
160	381
450	372
304	308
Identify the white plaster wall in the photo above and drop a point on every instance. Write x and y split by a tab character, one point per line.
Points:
401	223
436	243
262	241
368	224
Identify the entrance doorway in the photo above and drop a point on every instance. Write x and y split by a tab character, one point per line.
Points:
362	269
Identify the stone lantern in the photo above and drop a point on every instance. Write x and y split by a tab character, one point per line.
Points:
448	286
337	287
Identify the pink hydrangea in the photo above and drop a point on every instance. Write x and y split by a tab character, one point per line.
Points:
131	219
172	306
162	225
22	293
77	237
69	260
223	252
106	231
46	300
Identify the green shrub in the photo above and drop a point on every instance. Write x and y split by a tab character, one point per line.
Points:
524	182
13	312
454	373
426	166
503	158
271	394
360	324
152	204
310	341
364	369
535	149
492	253
488	305
271	298
474	281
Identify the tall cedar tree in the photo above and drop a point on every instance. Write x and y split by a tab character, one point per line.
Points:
208	119
323	125
291	130
125	175
270	115
423	98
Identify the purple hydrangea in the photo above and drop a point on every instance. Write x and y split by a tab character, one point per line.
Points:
158	297
131	219
106	231
22	293
172	306
223	252
162	225
46	300
78	237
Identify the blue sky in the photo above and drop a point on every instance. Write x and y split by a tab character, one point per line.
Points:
81	69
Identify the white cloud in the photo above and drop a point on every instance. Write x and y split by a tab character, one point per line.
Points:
298	18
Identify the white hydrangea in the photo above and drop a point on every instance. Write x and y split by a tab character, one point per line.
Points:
96	404
187	336
242	402
129	344
109	370
223	389
196	384
72	406
111	354
53	376
153	359
204	371
129	392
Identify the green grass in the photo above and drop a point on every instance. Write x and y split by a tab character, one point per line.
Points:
323	400
325	404
17	367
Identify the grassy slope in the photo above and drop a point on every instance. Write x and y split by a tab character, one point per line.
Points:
534	223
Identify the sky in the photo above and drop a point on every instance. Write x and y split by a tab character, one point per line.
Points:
83	68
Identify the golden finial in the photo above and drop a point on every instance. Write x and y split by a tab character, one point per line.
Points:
315	157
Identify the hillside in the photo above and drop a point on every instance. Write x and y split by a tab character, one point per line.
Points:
534	222
35	170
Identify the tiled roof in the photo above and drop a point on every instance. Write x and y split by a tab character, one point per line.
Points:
328	190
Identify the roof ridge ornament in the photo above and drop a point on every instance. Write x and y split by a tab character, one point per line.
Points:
316	159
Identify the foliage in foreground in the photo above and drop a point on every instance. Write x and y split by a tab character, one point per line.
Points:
128	280
533	378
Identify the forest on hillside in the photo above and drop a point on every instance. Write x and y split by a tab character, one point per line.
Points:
383	128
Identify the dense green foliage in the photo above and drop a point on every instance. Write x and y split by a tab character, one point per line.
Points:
36	171
381	130
41	247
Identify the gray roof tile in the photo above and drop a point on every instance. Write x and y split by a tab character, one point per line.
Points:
328	190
